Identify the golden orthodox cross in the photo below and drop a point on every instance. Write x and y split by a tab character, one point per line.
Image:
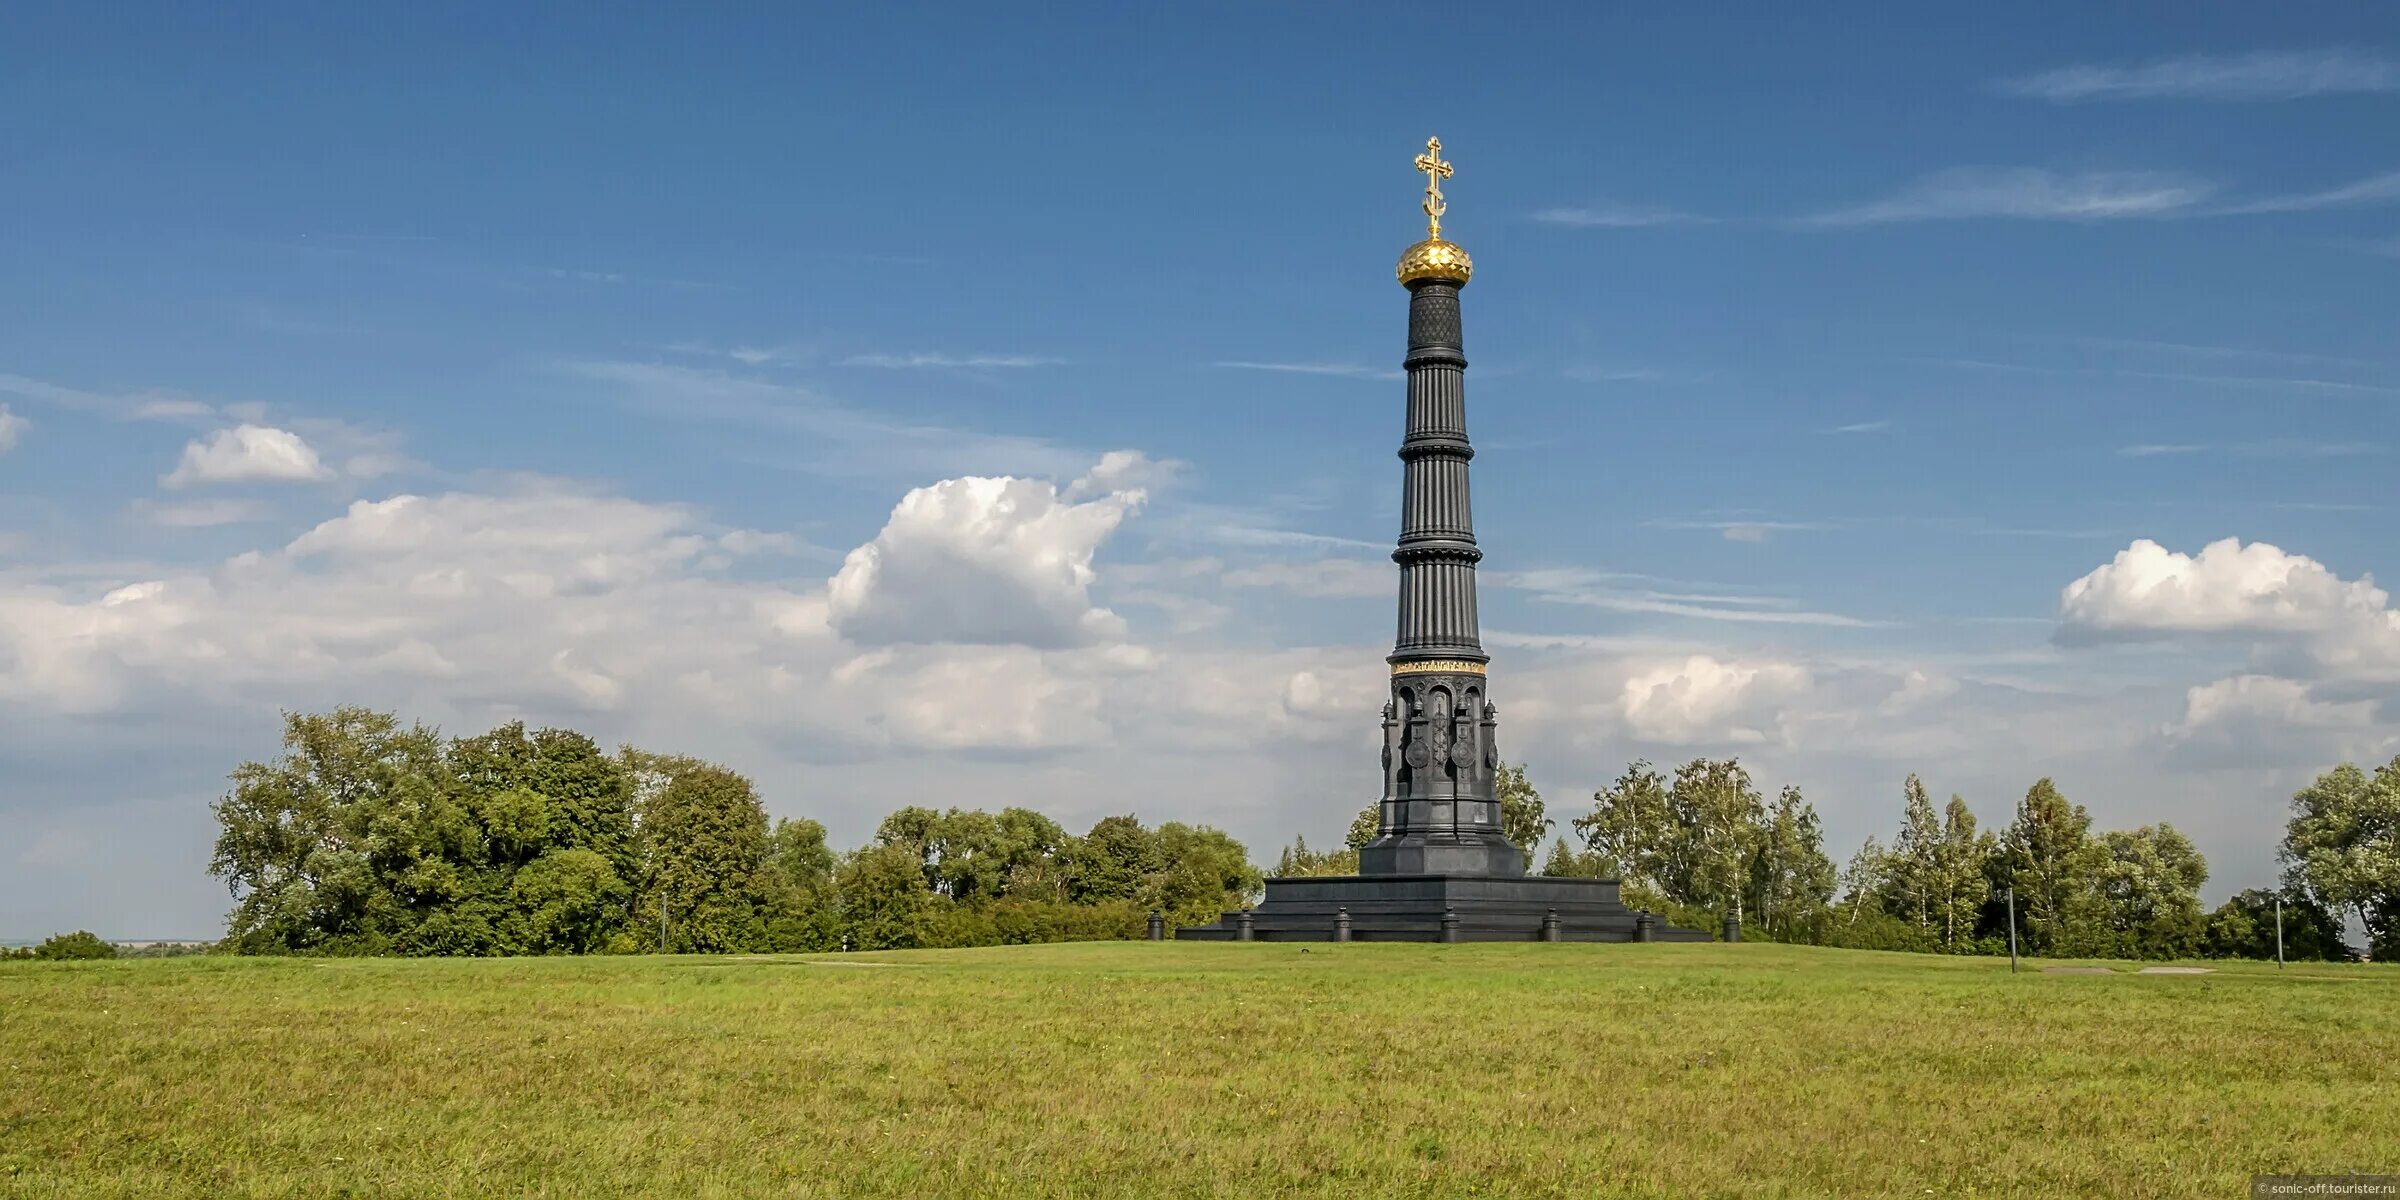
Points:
1436	171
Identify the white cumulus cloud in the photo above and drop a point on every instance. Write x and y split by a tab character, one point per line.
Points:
247	454
2288	603
2264	700
989	561
2263	720
12	428
1703	699
2151	591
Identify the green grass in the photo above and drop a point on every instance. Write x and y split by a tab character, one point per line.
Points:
1134	1069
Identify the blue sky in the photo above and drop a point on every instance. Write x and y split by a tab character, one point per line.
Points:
1816	355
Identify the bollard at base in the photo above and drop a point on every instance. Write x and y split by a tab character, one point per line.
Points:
1242	927
1341	924
1733	928
1158	927
1449	924
1550	926
1643	922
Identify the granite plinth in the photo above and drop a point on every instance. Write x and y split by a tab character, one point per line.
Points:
1487	854
1411	908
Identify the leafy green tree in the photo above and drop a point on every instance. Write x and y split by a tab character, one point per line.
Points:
886	903
1565	862
920	829
704	836
2151	887
1029	846
299	837
566	902
972	856
2055	864
1916	867
585	796
796	898
1629	825
1961	876
1111	861
1791	876
2341	849
81	944
1365	826
2244	927
1866	881
969	862
1203	873
1298	860
1522	815
1717	814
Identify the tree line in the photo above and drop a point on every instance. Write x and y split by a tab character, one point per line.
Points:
368	836
1705	842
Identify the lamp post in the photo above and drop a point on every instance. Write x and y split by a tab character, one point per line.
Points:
2012	929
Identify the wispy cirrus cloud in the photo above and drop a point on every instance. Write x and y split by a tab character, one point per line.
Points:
200	514
1591	589
2261	382
1325	578
2267	448
839	438
2024	193
1745	530
12	428
1593	373
1336	370
2374	189
1233	534
940	361
2034	194
2261	76
2153	347
588	275
139	406
1617	216
1861	427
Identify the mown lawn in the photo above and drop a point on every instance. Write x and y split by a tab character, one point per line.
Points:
1136	1069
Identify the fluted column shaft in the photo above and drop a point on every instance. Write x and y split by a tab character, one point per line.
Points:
1437	552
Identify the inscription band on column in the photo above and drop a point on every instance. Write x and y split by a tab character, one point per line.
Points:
1444	666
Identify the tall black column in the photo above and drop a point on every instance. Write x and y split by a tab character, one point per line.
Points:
1439	815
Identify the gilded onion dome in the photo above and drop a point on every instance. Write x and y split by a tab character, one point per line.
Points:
1435	258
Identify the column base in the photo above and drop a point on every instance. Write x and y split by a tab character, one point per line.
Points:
1487	853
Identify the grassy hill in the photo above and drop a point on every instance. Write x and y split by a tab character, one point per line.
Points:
1134	1069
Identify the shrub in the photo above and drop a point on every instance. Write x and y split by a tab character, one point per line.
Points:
82	943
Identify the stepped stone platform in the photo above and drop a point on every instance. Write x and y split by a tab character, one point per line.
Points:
1439	908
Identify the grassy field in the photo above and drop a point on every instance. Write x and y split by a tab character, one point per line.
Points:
1134	1069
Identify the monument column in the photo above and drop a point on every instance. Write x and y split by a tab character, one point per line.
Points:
1439	812
1440	868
